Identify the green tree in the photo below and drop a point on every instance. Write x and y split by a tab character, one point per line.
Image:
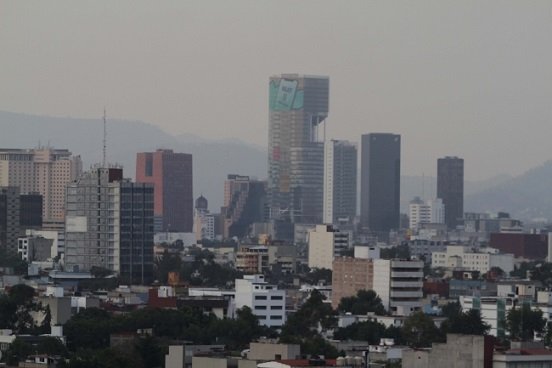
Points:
522	323
469	323
312	314
370	331
18	351
365	301
419	330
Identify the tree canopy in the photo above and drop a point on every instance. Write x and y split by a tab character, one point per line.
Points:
365	301
419	331
522	323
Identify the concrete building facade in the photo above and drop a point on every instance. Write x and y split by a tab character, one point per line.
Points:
349	276
43	170
109	224
325	243
265	300
399	284
425	212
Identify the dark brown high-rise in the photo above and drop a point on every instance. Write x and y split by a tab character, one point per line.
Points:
171	175
450	188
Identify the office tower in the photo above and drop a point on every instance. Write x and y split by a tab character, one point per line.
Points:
340	182
426	212
380	182
325	243
244	204
45	171
450	188
171	176
298	105
109	224
9	219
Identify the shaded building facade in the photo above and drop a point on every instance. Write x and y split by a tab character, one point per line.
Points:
340	182
380	182
244	204
298	105
9	219
450	188
172	179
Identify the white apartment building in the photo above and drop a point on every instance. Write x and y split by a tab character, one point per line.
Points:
426	212
265	300
493	310
43	170
325	243
204	225
399	285
462	257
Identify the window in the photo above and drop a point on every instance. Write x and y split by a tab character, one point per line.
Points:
276	297
260	307
275	317
276	307
260	297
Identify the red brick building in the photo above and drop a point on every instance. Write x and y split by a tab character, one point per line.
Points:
531	246
172	178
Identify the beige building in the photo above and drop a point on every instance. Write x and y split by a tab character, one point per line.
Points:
272	351
349	276
325	243
46	171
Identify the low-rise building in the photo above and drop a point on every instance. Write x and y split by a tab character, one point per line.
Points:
462	257
265	300
325	243
349	276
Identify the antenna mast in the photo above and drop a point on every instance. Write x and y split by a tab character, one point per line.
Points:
104	140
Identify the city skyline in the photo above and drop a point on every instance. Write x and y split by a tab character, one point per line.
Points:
467	71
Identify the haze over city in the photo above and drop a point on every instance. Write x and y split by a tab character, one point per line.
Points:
467	78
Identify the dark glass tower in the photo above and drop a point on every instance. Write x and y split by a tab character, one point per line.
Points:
380	182
450	188
298	105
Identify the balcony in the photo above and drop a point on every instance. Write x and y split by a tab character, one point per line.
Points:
407	274
406	294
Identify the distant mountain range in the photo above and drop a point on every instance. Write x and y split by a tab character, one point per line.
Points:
526	196
212	159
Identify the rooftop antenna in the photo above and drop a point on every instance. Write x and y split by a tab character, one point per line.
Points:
104	140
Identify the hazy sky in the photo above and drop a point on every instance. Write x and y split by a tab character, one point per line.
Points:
466	78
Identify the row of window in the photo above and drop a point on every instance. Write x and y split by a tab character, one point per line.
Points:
273	297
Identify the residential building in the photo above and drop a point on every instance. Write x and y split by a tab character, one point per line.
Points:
172	178
9	218
493	310
426	212
244	204
265	300
325	243
462	257
349	275
380	183
42	170
399	284
252	259
422	249
340	182
109	224
450	188
266	350
298	105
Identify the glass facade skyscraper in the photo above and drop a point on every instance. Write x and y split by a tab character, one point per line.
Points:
298	105
380	183
450	188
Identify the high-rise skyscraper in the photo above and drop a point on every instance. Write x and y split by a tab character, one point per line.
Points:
46	171
172	179
298	105
450	188
244	204
380	182
109	224
340	182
